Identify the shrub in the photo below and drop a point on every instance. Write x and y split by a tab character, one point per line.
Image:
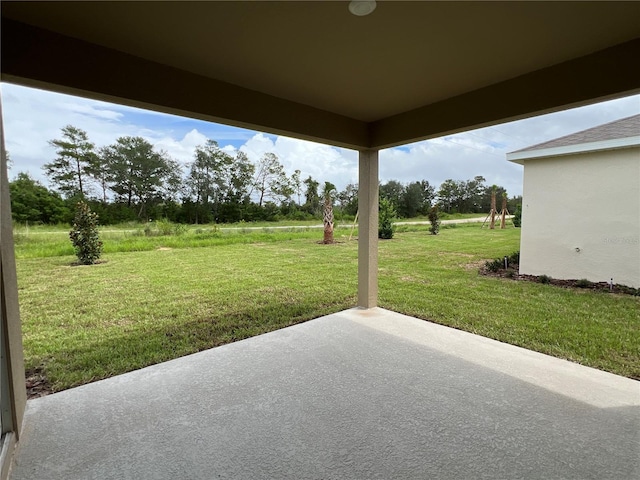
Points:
84	235
514	258
494	265
434	219
517	217
180	229
583	283
544	279
628	290
510	273
387	214
164	226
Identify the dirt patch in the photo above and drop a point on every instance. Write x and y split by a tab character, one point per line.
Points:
163	249
37	383
473	265
78	264
455	254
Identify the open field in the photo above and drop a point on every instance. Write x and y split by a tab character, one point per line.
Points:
53	240
142	307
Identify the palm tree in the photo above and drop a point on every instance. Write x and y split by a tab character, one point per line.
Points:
327	212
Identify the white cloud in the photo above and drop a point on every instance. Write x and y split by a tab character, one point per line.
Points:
183	149
33	117
322	162
92	111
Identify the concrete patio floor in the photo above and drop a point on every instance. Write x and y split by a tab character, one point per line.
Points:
355	395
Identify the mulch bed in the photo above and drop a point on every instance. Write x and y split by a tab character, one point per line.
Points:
511	273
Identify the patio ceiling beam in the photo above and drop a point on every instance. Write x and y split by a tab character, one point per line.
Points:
40	58
603	75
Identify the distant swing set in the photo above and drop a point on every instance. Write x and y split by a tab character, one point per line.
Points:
493	212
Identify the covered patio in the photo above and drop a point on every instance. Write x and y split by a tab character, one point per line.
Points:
363	393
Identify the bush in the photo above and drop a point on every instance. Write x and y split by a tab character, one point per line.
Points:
387	214
583	283
180	229
434	219
494	265
514	258
149	231
517	217
84	235
544	279
165	227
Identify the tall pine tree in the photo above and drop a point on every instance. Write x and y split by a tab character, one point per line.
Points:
70	171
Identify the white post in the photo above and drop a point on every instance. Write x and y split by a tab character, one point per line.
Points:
368	229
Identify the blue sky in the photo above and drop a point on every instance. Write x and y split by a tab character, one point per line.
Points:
33	117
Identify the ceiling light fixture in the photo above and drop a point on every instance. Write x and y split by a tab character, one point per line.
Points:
360	8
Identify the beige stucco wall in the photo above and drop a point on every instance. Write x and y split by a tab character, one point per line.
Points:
581	216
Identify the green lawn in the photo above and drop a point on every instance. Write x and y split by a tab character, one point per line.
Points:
137	308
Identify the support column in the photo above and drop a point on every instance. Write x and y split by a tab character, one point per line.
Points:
368	229
13	394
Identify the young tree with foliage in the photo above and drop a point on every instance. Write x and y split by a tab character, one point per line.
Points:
517	217
503	213
84	235
485	202
327	211
492	213
387	213
75	162
33	202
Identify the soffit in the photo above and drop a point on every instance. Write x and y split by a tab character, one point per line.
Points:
403	56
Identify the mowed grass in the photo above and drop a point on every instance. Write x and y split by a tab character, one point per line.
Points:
138	308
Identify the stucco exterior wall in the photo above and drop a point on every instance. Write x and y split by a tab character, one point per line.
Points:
581	216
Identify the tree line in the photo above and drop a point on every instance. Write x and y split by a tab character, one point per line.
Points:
130	180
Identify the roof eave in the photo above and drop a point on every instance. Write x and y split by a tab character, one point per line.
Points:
614	144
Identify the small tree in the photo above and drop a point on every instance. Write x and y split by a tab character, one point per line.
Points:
327	212
492	224
387	214
434	219
84	235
